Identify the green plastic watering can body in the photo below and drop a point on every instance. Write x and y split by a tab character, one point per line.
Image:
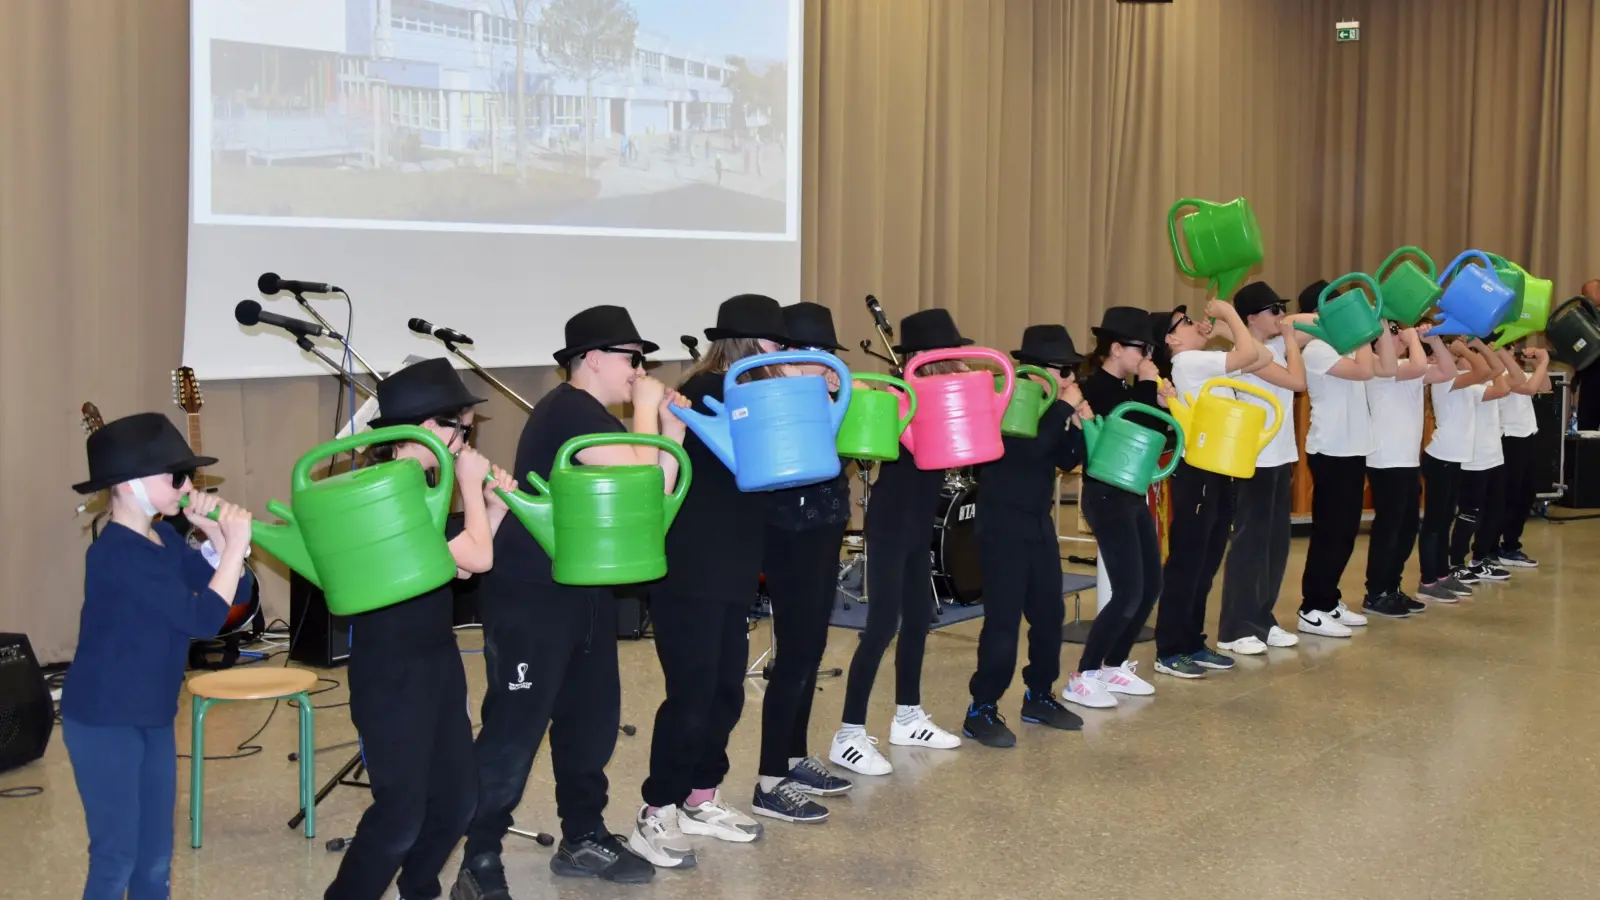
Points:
873	423
603	525
1029	401
1223	240
1408	292
1125	454
1530	314
1348	321
371	537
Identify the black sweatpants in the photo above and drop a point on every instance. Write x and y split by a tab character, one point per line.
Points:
1021	562
1130	549
1197	538
802	570
1520	489
899	599
1443	480
550	661
1478	510
1259	554
703	644
1336	497
1396	516
410	709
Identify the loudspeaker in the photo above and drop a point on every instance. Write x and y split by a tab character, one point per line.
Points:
1547	412
316	637
633	613
27	714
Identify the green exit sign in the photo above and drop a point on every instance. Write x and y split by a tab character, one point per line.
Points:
1347	31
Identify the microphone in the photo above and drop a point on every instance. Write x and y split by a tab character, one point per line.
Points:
448	335
691	342
878	318
249	312
270	284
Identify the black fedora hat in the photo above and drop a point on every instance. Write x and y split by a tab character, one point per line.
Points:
135	446
810	325
598	327
421	391
1310	293
1124	325
1162	324
1255	297
929	329
1047	345
754	316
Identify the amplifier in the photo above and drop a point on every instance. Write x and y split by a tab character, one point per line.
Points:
27	714
316	637
1550	411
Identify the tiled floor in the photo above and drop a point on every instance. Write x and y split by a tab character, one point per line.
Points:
1447	756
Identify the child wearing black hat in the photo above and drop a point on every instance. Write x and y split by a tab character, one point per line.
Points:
146	595
899	526
408	689
1021	556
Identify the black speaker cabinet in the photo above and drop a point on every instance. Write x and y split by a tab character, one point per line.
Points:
316	637
27	714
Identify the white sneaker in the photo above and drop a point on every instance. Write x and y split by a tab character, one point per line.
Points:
1091	692
714	818
1347	616
921	732
1122	680
1277	637
1249	645
1324	624
858	753
658	839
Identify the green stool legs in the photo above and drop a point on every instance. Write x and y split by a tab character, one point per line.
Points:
197	756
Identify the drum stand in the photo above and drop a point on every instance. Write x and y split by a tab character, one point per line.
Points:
857	558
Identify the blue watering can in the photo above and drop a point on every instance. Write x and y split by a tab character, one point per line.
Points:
779	432
1476	301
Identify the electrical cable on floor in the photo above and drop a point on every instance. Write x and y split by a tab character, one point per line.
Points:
17	793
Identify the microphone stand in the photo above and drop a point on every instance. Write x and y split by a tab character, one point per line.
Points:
300	298
350	381
484	374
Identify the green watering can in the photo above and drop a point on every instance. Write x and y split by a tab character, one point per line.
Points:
873	423
1347	321
1512	276
1029	402
1408	293
603	525
1125	454
1223	240
371	537
1530	313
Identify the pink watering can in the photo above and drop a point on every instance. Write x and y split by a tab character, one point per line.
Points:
958	422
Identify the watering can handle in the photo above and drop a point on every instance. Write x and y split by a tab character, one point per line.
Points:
1055	386
1365	279
1464	256
1172	232
1130	406
438	495
840	403
1267	434
905	389
685	469
984	353
1402	251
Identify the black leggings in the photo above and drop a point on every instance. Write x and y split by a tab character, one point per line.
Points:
1202	515
1021	560
1478	511
1131	552
802	570
899	597
1395	519
1336	495
1443	480
1520	490
1259	554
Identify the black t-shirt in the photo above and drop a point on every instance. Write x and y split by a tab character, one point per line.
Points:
904	501
424	622
561	415
1024	479
715	545
1104	392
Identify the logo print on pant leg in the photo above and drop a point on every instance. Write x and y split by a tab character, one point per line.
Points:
522	682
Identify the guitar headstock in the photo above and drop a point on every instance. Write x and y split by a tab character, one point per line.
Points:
92	420
186	390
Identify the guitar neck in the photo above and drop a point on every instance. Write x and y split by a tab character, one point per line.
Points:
193	427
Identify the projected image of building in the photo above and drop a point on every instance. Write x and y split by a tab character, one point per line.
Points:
425	110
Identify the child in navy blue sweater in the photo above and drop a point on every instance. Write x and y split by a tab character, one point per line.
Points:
146	595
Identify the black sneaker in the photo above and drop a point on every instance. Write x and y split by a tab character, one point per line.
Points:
816	779
604	856
1488	571
985	725
1516	559
1388	605
1465	575
786	801
481	878
1042	708
1413	605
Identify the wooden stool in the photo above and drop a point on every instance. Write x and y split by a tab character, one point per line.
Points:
256	683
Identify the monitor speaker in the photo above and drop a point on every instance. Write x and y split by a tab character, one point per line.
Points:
316	637
27	714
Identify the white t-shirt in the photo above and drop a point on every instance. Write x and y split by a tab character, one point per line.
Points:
1486	450
1281	450
1395	408
1191	369
1340	425
1516	416
1454	421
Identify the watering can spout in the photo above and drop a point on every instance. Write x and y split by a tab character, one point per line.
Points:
712	430
284	542
1180	410
906	411
1316	330
1228	282
535	512
1091	432
1450	325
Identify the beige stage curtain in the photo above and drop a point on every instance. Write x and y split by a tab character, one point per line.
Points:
1011	160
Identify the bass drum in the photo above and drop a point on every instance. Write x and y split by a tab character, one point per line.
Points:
957	574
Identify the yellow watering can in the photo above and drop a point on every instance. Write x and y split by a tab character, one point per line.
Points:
1226	435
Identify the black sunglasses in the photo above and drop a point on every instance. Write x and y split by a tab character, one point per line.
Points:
462	428
1276	308
180	476
635	357
1182	320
